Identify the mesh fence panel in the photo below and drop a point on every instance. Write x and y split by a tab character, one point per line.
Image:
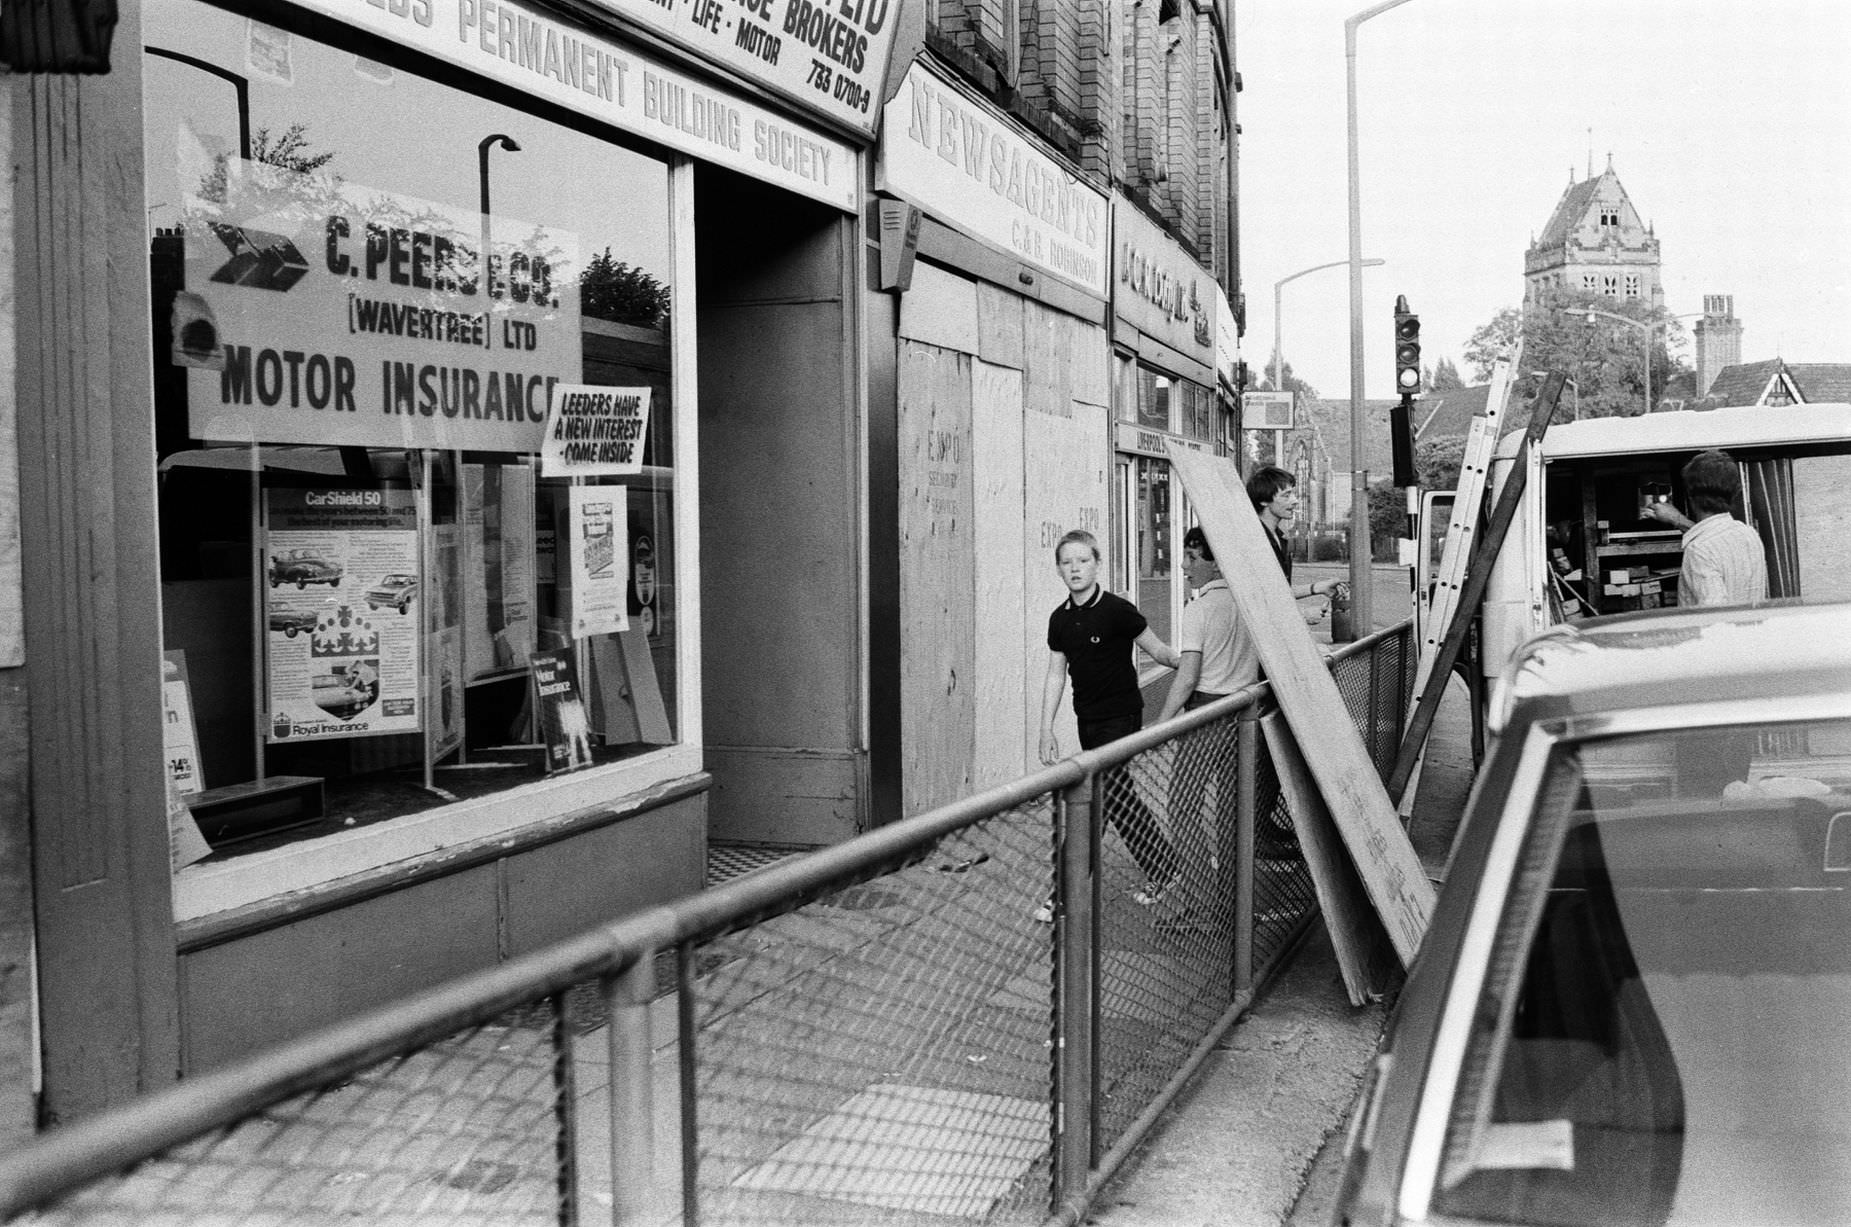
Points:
883	1053
465	1131
877	1051
1166	915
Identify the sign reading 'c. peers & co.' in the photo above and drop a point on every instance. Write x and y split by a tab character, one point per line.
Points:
963	161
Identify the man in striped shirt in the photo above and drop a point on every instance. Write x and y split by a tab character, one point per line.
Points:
1724	562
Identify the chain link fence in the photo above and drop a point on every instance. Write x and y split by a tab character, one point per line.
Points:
969	1016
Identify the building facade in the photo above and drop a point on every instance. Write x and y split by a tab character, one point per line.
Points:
1065	170
1595	243
440	437
474	453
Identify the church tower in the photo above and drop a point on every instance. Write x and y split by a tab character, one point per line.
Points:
1595	243
1719	339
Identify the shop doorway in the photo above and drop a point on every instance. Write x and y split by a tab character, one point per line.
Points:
783	621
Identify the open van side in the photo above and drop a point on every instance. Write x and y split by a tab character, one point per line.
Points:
1578	545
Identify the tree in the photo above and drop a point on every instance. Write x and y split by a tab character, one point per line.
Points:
1291	382
1605	358
609	289
1436	464
1493	342
1445	377
288	149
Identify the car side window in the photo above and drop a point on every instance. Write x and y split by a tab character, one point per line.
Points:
1666	986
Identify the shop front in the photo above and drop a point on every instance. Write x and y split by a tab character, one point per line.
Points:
1166	392
427	405
992	399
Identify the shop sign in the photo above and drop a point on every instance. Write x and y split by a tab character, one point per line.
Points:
343	608
1227	337
962	160
324	312
595	431
547	58
1143	441
1160	289
827	56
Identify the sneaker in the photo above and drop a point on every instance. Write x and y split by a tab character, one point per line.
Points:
1154	891
1045	913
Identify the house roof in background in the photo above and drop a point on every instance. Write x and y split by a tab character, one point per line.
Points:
1743	383
1448	414
1822	381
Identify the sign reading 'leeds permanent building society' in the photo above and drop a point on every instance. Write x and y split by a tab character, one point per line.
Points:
962	161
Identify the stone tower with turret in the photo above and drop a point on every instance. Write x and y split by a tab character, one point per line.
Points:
1595	243
1719	339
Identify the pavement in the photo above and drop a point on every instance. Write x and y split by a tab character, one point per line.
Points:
1256	1141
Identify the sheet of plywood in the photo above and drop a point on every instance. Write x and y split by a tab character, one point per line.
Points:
937	661
1003	672
1064	487
1364	953
1307	694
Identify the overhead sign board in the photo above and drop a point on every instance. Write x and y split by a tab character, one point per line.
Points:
1267	410
827	56
548	58
1158	287
962	160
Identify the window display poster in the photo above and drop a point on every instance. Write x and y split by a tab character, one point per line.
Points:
185	843
342	662
595	524
498	523
331	312
594	431
179	734
564	729
445	701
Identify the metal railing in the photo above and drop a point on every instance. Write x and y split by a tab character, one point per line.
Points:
975	1013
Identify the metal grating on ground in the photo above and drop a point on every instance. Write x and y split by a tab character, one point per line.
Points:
728	861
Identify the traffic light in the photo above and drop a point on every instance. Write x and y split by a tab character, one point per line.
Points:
1407	348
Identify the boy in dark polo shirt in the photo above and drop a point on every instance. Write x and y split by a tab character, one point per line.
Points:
1090	637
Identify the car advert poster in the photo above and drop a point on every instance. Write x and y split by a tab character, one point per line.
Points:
594	431
343	606
595	525
322	311
565	731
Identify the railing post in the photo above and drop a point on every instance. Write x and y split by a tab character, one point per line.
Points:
1075	940
1246	792
633	1143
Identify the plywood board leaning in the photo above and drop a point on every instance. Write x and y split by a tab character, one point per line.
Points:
1364	952
1307	694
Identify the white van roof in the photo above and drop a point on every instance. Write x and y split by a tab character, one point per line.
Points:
1687	430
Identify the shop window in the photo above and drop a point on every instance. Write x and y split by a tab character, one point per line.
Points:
1154	400
1152	542
417	542
1127	378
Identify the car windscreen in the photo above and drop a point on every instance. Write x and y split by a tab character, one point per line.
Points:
1665	1031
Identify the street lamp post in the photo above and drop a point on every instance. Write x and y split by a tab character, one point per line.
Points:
1361	603
482	147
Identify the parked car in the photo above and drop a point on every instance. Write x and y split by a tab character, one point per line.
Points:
293	622
394	590
1633	1005
301	568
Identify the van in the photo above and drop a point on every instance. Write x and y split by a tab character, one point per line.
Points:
1578	545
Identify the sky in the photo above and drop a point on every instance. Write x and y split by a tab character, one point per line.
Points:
1727	121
